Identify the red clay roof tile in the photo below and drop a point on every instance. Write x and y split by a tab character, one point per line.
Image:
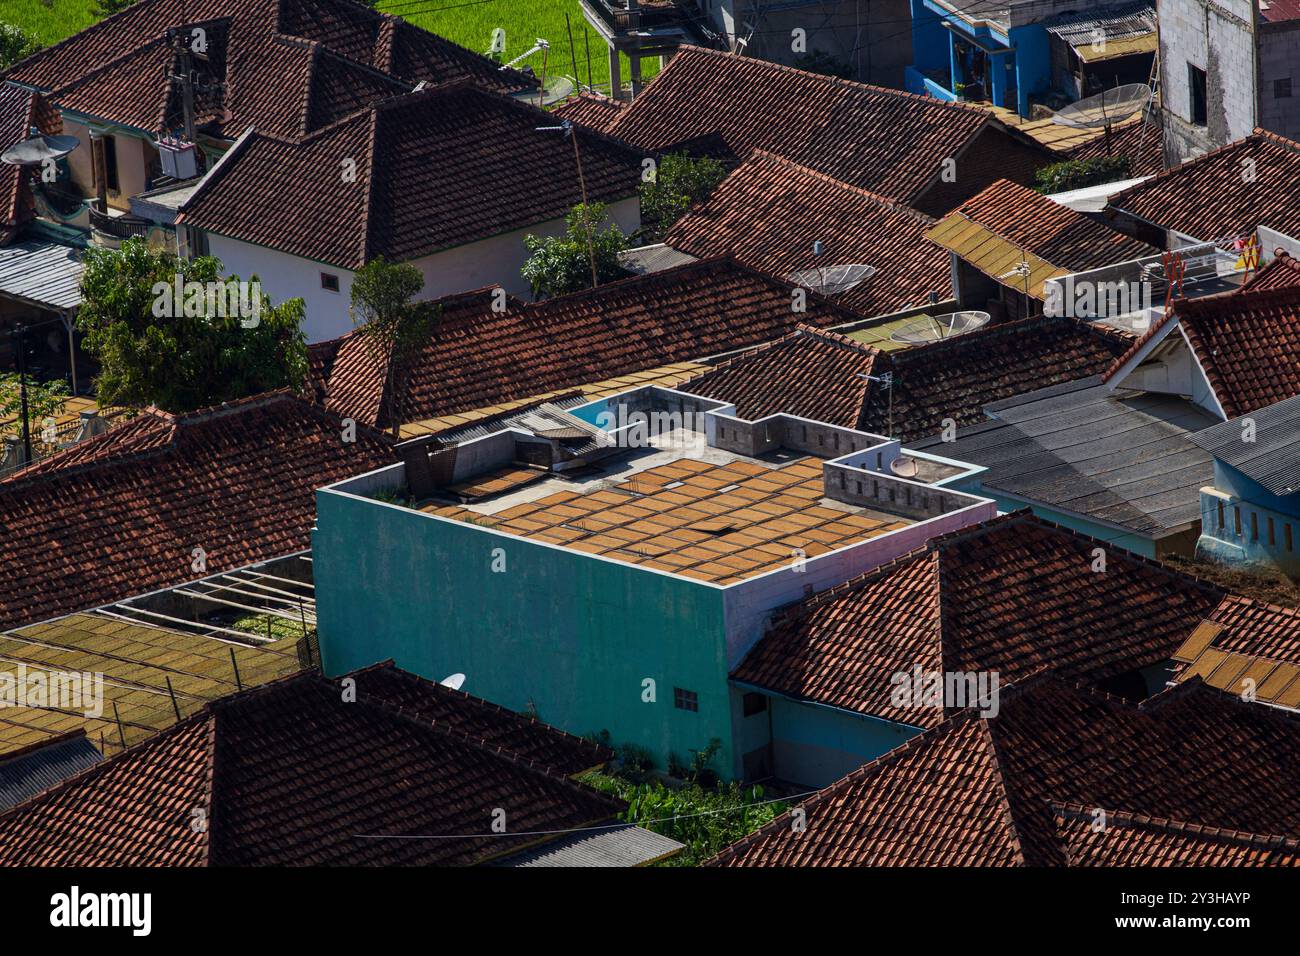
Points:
883	140
1011	595
120	514
987	792
1211	197
769	211
291	774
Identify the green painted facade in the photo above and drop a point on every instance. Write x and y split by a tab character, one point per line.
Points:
567	634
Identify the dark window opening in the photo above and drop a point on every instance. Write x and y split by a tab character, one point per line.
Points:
1196	94
686	700
754	704
329	281
110	163
1282	89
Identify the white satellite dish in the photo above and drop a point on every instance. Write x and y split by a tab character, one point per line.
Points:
1104	109
904	467
38	150
833	280
935	328
454	681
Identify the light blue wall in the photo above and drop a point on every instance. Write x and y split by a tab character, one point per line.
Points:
817	745
572	634
1231	481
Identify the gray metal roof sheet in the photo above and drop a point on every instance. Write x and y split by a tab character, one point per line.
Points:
1124	458
27	774
1273	458
44	273
613	846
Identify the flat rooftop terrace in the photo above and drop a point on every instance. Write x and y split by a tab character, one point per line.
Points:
713	516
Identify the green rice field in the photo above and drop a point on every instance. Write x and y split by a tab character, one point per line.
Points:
467	22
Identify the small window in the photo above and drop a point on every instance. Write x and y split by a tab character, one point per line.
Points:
1272	539
1196	94
1282	89
754	704
686	700
1286	533
1236	521
1222	519
329	281
1254	526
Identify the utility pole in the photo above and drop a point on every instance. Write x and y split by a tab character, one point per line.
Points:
570	131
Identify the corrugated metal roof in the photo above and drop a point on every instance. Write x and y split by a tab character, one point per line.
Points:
992	255
619	846
44	273
40	768
1122	458
1273	457
1116	23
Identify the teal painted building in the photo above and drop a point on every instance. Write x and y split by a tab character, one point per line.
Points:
591	643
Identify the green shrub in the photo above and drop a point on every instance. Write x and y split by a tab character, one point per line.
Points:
1081	173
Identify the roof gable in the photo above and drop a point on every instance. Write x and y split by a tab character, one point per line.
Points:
890	142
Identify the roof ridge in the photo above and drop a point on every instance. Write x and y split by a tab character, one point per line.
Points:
759	156
390	666
1077	811
82	79
831	81
1246	141
1007	800
97	26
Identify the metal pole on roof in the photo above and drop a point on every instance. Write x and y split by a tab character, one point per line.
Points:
175	706
121	734
21	334
573	53
235	664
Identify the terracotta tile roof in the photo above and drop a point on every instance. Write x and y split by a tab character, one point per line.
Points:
434	169
1012	595
883	140
1067	240
290	774
1282	273
1131	840
477	358
1252	627
283	66
593	110
20	110
1209	198
1141	142
238	481
769	212
1247	342
810	373
815	374
986	792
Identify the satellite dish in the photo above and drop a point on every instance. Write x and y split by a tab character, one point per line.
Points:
935	328
556	88
39	149
904	467
498	45
833	280
454	681
1112	106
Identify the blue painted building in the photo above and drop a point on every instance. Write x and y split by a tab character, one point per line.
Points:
1250	515
1023	52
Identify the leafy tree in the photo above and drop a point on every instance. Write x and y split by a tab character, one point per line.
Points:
15	45
680	182
188	352
394	327
44	400
561	264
